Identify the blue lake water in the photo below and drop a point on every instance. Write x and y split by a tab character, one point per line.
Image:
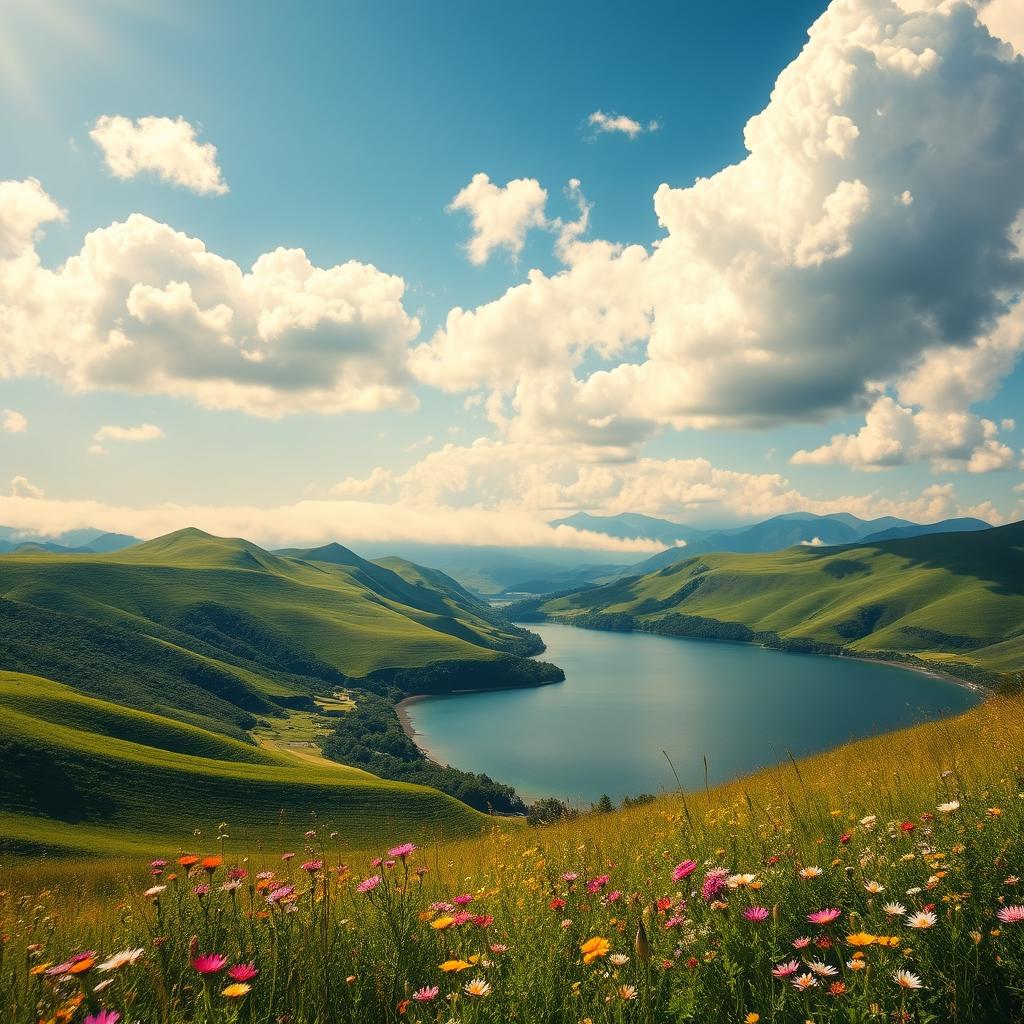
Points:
629	696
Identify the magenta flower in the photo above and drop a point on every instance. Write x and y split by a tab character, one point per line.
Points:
158	863
826	916
463	899
683	870
368	884
403	851
598	883
786	970
426	994
714	883
756	913
312	866
65	968
103	1017
570	876
243	972
210	963
1012	914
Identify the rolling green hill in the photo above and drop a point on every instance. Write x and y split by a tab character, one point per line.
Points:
133	680
83	775
955	600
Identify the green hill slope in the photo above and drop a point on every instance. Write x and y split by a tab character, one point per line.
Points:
955	599
83	775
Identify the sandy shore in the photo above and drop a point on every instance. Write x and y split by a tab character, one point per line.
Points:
401	709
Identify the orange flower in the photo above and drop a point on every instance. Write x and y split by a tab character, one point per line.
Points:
82	965
188	860
450	966
861	939
212	863
593	948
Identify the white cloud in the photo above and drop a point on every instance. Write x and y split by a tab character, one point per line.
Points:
12	422
144	308
814	542
501	214
165	146
143	432
1005	19
24	490
789	286
620	124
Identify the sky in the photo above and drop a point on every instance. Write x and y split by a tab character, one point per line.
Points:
437	272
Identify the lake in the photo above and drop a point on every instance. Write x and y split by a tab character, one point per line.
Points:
629	696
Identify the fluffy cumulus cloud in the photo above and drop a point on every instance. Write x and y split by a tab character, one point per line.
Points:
870	236
164	146
13	422
501	215
619	124
22	489
145	308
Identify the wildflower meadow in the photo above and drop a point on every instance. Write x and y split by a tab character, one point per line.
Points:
774	899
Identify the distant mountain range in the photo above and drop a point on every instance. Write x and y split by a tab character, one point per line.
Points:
73	541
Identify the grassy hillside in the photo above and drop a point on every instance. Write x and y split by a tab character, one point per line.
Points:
956	600
84	775
216	631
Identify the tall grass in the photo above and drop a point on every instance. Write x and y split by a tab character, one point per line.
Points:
654	914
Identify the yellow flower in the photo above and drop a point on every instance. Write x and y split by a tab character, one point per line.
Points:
454	965
861	939
593	948
888	940
443	922
236	990
751	1018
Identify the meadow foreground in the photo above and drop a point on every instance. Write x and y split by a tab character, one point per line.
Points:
855	886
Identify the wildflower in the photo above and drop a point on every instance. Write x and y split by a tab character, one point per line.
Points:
211	864
1012	914
280	894
427	994
287	857
119	960
477	987
369	884
557	903
874	887
499	948
403	851
803	982
312	866
594	948
153	891
243	972
466	898
103	1017
618	959
627	992
907	826
236	990
752	1018
870	821
907	980
856	965
683	870
922	919
440	923
756	913
861	939
231	885
801	942
826	916
894	909
810	872
201	890
714	883
837	989
188	860
822	969
210	963
786	970
454	966
311	834
950	807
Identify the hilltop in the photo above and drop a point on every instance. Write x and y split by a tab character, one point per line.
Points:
954	600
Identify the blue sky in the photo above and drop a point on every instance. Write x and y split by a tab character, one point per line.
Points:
345	130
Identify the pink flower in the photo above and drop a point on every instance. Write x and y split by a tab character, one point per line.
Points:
367	884
483	920
402	851
801	943
210	963
499	948
312	865
426	994
243	972
613	896
786	970
826	916
311	834
570	877
287	856
463	899
280	894
597	884
756	913
461	918
683	870
103	1017
714	883
158	863
1012	914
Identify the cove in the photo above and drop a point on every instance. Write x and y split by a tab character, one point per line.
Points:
629	696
